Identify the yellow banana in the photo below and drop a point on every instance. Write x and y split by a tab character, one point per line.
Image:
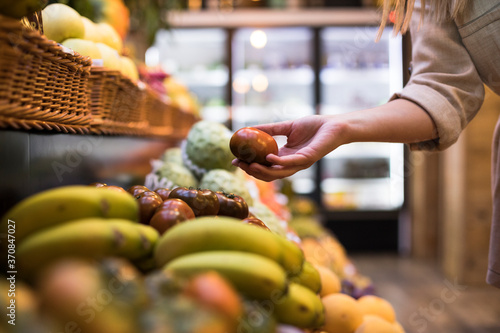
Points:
255	276
308	277
292	256
93	238
58	205
226	233
300	307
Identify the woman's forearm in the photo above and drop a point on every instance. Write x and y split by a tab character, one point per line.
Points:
397	121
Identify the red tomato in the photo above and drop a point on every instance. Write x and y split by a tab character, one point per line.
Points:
252	220
97	184
137	189
170	213
252	145
163	192
148	201
202	202
232	205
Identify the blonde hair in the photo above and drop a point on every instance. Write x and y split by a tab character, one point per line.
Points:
440	10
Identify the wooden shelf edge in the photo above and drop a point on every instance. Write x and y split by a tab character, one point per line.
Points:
317	17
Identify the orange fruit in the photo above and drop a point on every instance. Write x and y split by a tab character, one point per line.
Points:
399	328
375	324
375	305
342	313
330	282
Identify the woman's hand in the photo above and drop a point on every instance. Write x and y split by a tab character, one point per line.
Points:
309	139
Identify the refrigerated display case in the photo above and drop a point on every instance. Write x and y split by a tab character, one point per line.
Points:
197	58
358	73
274	80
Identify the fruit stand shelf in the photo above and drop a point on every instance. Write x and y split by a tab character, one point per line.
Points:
32	162
320	17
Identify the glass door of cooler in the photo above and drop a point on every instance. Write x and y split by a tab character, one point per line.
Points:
273	80
358	73
197	58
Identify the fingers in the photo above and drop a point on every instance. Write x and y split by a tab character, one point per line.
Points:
294	160
280	128
266	173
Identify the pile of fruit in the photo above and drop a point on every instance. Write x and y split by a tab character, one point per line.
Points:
99	41
85	259
214	256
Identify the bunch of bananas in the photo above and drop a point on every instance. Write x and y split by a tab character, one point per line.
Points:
74	221
263	266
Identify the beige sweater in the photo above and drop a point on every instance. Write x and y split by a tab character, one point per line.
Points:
450	62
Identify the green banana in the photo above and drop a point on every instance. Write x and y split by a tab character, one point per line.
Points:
300	307
308	277
66	203
255	276
226	233
92	238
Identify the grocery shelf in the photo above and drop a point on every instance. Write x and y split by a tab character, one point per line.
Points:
34	161
362	150
313	17
365	76
204	78
282	77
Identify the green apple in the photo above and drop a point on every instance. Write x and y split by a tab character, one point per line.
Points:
128	68
91	31
61	22
109	36
84	47
110	57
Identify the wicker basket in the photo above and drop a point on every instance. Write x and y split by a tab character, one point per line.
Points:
41	86
116	104
159	115
165	120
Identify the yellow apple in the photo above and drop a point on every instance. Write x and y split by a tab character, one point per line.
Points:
61	22
128	68
91	31
109	36
110	57
84	47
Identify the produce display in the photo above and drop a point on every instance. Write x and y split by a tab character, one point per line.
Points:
198	247
186	259
99	41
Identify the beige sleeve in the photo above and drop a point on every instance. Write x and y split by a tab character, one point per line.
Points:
444	81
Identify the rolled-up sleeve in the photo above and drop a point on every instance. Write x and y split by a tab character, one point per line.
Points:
444	81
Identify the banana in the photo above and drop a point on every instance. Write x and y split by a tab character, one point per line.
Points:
92	238
226	233
300	307
253	275
309	277
66	203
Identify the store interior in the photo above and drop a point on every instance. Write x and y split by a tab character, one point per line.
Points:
416	223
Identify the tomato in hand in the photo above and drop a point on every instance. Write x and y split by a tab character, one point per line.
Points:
202	202
170	213
232	205
252	145
148	201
